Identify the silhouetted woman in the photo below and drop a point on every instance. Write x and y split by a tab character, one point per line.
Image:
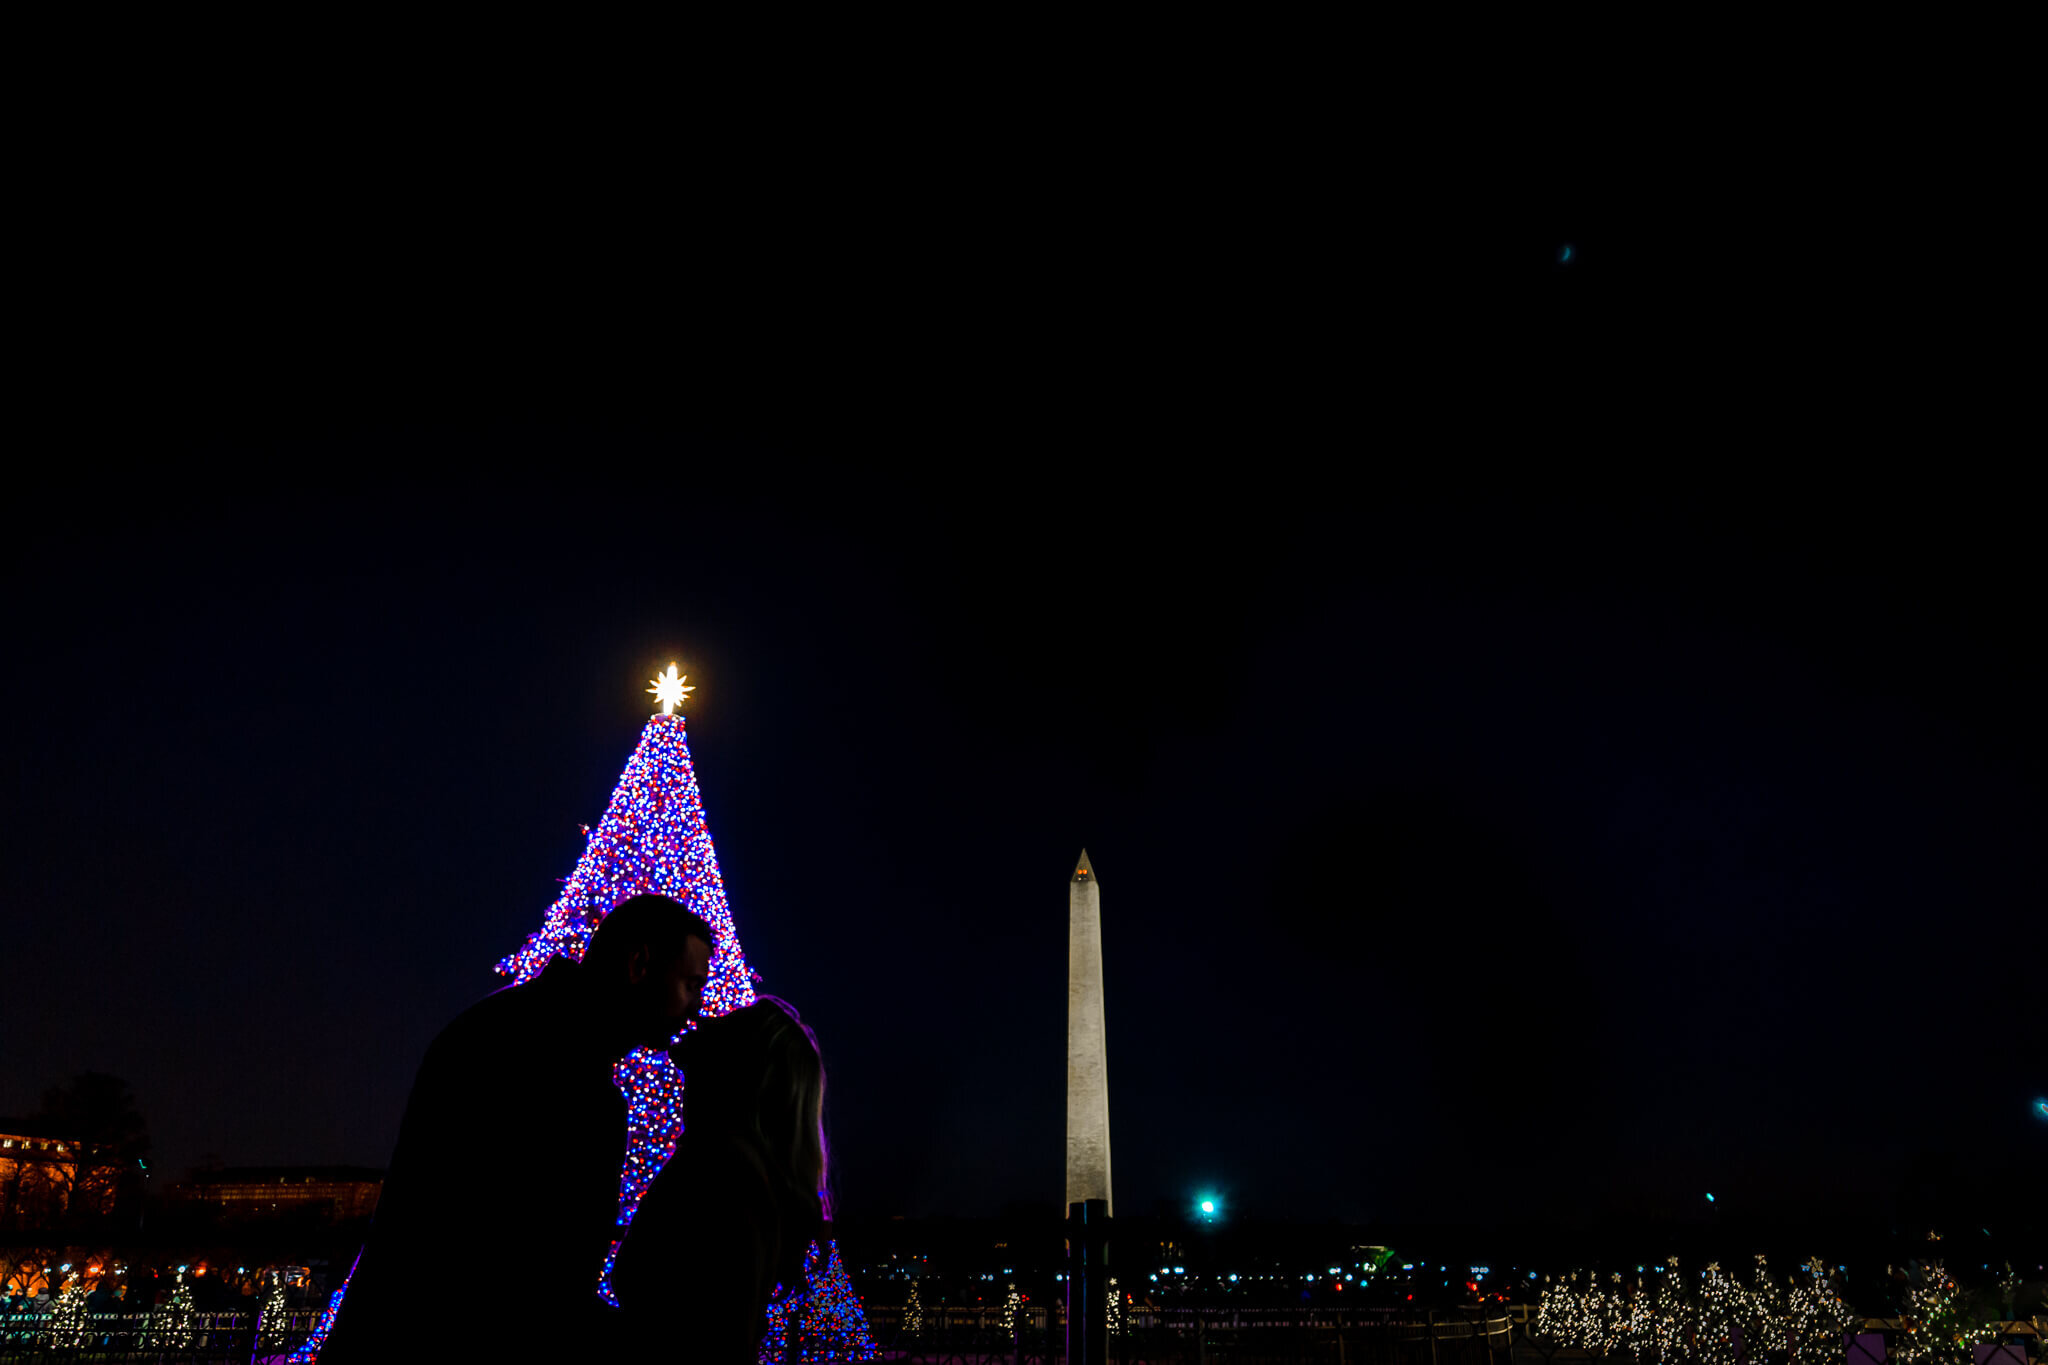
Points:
732	1214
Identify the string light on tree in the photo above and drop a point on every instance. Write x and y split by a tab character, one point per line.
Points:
1817	1317
1671	1315
273	1323
913	1312
828	1322
66	1331
171	1325
309	1350
1936	1331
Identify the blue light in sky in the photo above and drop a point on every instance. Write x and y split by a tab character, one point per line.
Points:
2041	1109
1208	1206
1710	1196
1565	257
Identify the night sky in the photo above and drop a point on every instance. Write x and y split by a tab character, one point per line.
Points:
1540	732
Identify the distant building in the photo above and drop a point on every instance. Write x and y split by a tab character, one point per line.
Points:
48	1177
327	1194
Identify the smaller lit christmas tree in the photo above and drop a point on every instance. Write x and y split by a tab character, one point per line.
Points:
1550	1314
1764	1313
1613	1317
273	1324
1720	1316
66	1331
170	1326
1818	1318
1670	1317
1934	1325
1638	1335
913	1312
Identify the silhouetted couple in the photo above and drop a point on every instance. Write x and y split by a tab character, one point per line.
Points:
508	1160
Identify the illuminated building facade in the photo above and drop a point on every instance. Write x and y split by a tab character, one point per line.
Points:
47	1177
325	1194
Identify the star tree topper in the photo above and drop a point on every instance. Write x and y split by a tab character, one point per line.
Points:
668	689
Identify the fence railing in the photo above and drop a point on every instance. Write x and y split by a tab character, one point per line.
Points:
1035	1335
154	1335
979	1335
1187	1336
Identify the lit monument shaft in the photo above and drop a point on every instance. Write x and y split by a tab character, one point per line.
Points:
1087	1047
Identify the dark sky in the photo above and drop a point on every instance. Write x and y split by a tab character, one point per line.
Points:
1561	730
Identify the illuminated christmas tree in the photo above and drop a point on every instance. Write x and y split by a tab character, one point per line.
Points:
913	1312
1820	1320
1720	1317
1670	1317
653	839
825	1315
67	1316
1935	1331
273	1323
1765	1308
171	1325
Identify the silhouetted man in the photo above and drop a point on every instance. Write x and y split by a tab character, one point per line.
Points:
510	1152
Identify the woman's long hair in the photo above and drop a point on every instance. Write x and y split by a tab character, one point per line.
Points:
757	1073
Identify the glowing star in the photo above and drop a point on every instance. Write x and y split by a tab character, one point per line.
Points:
668	689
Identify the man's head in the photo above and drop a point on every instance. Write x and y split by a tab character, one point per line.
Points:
659	956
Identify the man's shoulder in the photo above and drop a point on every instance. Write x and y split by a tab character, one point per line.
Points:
535	1007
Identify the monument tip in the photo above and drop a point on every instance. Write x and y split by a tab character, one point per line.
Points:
1082	871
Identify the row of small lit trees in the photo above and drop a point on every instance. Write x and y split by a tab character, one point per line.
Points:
1013	1306
1722	1318
170	1325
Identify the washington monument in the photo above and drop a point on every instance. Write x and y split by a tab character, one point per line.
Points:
1087	1048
